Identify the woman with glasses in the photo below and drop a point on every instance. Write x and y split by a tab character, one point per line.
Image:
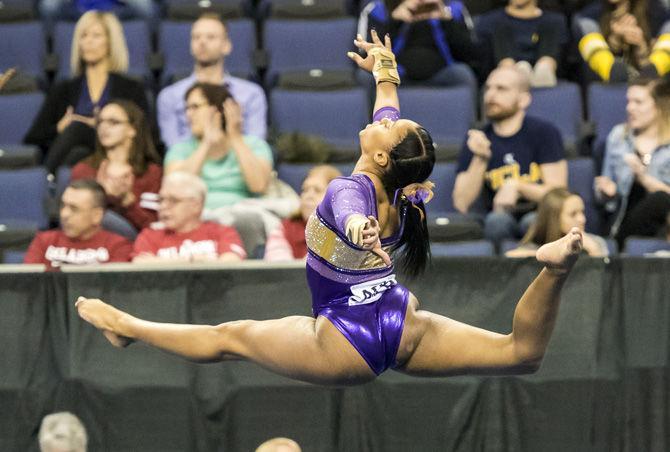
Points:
125	163
364	321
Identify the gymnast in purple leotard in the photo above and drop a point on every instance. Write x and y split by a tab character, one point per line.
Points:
364	321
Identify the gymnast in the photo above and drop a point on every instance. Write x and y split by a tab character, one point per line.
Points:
364	321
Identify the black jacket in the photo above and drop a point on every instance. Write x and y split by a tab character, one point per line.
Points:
65	93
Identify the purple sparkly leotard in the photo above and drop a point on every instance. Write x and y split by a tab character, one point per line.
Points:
350	286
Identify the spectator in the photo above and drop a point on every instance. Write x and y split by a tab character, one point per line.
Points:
287	241
184	237
557	213
81	239
233	166
209	46
516	159
125	163
618	39
64	127
433	42
635	183
524	34
62	432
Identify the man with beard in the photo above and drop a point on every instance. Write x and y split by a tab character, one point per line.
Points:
209	46
516	159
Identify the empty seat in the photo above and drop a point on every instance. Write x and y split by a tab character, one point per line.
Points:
23	45
17	112
640	246
606	105
294	173
581	173
561	106
23	196
447	113
337	116
138	40
174	41
303	45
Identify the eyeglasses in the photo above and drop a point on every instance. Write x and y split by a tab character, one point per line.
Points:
111	121
171	200
195	106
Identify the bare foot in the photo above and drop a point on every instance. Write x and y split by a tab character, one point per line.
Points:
561	255
104	317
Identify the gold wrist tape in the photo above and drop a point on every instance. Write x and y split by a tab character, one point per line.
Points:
385	68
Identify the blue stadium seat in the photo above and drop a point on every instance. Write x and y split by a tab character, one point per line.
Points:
581	173
294	173
23	196
639	246
174	42
469	248
606	106
337	116
13	256
447	113
17	112
300	9
138	40
302	45
562	106
23	45
444	178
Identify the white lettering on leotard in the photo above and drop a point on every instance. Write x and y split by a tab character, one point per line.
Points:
189	248
370	291
59	255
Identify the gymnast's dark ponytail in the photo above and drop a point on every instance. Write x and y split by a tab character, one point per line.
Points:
411	161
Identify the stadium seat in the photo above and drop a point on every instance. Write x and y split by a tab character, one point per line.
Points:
468	248
23	46
300	9
23	196
562	106
447	113
640	246
606	106
336	116
294	173
13	256
581	173
138	40
17	112
304	45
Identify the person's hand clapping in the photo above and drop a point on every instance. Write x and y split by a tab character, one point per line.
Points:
606	186
213	134
635	164
479	144
506	197
233	114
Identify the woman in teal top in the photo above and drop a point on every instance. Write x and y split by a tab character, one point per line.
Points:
233	166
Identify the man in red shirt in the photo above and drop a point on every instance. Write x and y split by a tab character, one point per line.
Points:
81	239
183	236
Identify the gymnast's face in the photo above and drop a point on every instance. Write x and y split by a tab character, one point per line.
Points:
640	108
384	135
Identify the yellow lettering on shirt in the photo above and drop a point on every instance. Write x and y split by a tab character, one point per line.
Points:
497	176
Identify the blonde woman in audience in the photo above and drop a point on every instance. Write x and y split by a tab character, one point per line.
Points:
558	212
287	241
65	126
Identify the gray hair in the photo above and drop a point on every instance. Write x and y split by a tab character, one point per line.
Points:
189	183
62	431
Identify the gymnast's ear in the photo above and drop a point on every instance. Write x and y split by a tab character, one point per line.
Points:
381	158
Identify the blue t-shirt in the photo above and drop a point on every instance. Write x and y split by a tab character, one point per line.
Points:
518	156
